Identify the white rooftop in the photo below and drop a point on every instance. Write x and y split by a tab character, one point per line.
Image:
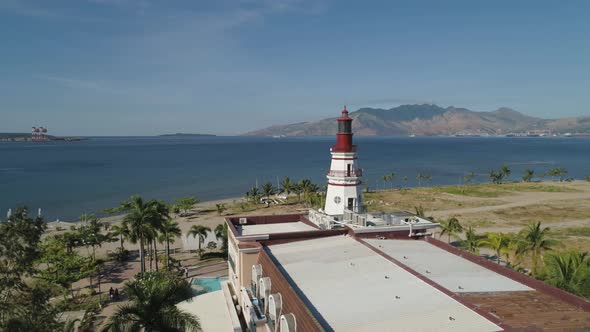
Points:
212	311
446	269
285	227
354	289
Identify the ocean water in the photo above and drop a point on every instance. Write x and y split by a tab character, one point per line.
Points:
67	179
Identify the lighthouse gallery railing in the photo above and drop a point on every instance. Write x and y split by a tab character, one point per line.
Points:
353	172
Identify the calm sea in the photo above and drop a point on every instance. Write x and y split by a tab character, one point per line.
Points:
67	179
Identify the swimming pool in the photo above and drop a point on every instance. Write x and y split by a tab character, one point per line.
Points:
206	285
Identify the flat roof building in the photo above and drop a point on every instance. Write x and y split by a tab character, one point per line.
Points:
288	270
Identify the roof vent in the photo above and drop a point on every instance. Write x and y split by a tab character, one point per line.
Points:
243	221
288	323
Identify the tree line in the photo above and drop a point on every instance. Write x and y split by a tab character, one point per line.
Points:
305	190
495	176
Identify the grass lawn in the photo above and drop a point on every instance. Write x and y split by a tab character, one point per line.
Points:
553	212
488	190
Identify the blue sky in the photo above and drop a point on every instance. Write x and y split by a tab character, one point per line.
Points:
143	67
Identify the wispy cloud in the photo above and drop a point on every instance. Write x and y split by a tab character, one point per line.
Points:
49	10
25	8
74	83
114	89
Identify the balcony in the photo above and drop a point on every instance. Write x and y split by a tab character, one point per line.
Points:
352	173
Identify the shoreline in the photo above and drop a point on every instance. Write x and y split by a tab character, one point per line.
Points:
113	219
507	210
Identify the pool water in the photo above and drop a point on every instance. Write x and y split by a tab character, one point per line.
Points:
206	285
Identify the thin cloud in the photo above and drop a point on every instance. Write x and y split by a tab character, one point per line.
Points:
25	8
74	82
114	89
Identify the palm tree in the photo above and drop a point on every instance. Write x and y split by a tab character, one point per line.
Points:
169	232
569	271
268	189
557	172
469	177
161	215
138	221
199	231
505	171
553	172
307	188
562	172
221	234
254	194
391	178
297	190
419	177
310	191
220	208
150	235
497	242
496	176
472	241
153	306
451	227
511	250
121	231
528	175
535	240
286	186
428	177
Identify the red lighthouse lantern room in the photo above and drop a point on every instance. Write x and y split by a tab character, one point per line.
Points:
344	135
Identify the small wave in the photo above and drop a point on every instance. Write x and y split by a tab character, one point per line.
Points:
11	169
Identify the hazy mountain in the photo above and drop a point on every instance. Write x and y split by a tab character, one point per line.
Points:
429	120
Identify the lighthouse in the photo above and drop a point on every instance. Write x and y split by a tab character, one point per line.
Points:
344	176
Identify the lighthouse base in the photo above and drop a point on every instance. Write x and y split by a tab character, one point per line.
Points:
341	197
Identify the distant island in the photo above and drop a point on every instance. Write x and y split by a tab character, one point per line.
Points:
433	120
186	135
26	137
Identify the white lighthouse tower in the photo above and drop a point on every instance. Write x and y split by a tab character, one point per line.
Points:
343	176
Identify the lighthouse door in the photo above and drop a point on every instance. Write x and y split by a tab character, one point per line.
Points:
350	204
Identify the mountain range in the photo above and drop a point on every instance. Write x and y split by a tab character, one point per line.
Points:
430	120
